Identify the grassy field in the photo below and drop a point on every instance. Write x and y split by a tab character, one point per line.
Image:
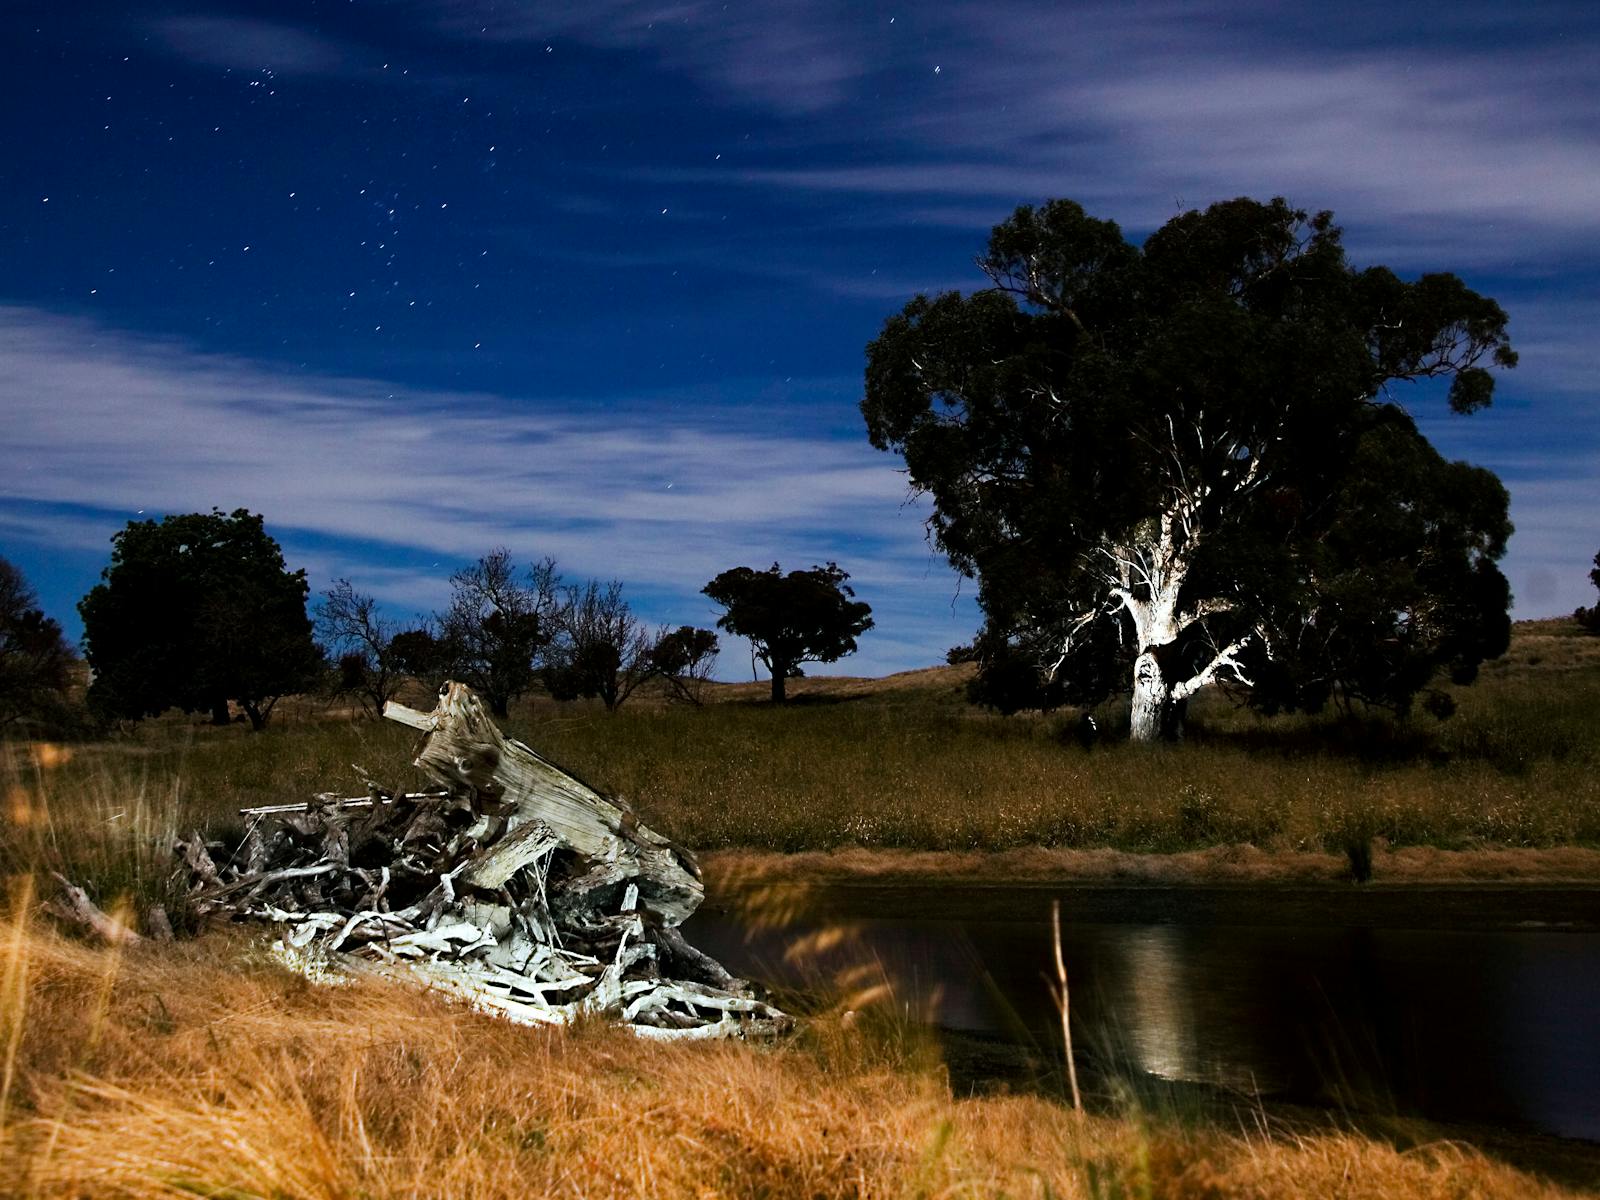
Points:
901	763
204	1069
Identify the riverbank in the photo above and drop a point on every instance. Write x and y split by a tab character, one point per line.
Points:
1240	863
1411	888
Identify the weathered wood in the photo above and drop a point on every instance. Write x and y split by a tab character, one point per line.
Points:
77	909
501	861
463	747
273	810
515	887
159	924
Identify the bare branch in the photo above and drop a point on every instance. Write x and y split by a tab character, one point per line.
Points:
1226	660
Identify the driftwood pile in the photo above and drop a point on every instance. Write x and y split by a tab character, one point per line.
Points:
510	884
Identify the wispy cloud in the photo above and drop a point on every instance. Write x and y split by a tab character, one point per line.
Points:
250	44
108	424
1143	109
797	57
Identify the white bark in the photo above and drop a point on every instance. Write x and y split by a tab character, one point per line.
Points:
1146	580
465	750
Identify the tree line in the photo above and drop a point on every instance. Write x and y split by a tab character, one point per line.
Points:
200	612
507	630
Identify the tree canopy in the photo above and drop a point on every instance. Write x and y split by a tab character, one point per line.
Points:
35	661
683	658
1183	464
603	651
1589	618
194	611
801	617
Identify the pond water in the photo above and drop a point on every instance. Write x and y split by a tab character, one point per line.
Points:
1387	1006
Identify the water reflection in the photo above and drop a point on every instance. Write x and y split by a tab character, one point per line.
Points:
1494	1026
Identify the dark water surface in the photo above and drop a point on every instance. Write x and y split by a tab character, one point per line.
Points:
1476	1005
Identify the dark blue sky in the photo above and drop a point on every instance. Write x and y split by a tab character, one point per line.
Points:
418	279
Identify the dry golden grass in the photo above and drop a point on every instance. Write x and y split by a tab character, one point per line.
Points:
204	1070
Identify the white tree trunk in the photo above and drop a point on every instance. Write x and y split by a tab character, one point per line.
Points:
1158	702
1152	696
1157	626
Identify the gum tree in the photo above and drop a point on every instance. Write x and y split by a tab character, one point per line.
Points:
499	625
801	617
1183	464
194	611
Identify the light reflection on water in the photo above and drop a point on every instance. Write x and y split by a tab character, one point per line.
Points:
1496	1026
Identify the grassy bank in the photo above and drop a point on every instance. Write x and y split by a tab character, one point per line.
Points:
904	765
204	1070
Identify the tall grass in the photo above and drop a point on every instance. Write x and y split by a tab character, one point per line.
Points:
907	766
918	769
201	1071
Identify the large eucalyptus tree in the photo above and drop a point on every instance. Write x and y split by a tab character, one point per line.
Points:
1183	464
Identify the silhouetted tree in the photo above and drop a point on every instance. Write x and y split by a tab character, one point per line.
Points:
35	660
499	624
1589	618
602	652
801	617
424	655
684	658
362	641
1180	464
194	611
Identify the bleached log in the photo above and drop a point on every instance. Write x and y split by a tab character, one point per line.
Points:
464	748
506	857
79	910
519	889
273	810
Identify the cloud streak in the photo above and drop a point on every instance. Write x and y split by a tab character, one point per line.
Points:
103	423
249	44
1140	110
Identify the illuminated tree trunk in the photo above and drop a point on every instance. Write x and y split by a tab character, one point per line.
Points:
1146	580
1151	716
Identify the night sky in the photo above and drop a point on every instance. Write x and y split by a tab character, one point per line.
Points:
418	279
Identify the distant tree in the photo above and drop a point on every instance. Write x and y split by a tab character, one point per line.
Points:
1179	464
602	651
424	655
684	658
194	611
1589	618
362	641
499	624
35	660
801	617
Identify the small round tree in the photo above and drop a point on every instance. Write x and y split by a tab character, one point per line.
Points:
801	617
194	611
